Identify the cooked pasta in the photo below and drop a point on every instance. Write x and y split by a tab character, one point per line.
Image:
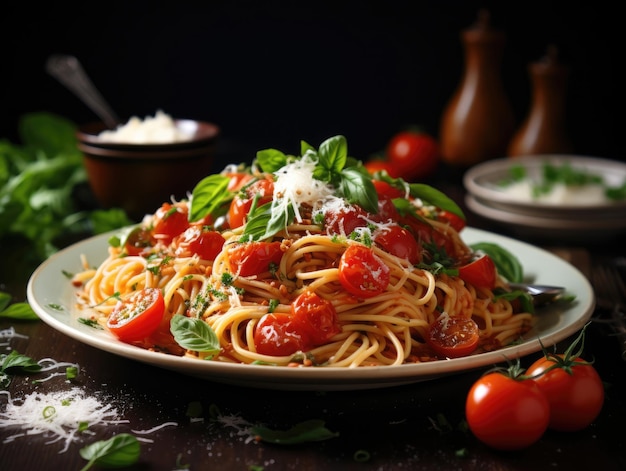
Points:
315	291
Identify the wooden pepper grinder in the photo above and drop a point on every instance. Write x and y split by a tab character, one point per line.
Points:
544	129
478	121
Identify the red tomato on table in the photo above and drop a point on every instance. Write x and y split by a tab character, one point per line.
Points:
574	390
506	413
137	316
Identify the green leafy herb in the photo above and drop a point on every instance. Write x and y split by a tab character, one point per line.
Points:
194	334
15	363
307	431
210	193
116	452
37	183
17	311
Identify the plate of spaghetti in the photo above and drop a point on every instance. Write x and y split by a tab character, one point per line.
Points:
308	273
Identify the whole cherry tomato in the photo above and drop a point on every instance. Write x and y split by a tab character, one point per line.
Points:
414	154
344	220
277	335
138	316
398	241
379	165
138	240
312	322
480	272
199	240
505	412
573	388
456	222
169	221
362	273
315	317
453	336
242	202
253	258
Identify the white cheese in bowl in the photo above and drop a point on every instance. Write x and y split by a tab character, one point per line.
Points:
160	129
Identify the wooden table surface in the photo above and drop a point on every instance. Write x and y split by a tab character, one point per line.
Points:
410	427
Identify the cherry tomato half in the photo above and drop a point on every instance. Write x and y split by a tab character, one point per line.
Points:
480	272
137	316
575	398
453	336
362	273
253	258
398	241
506	413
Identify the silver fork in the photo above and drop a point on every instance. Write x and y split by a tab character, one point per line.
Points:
611	296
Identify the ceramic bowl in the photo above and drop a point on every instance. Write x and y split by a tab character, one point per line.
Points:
139	178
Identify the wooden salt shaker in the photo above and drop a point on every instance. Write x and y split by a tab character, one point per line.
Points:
544	129
478	121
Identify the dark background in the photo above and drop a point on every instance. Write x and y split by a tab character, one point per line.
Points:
273	73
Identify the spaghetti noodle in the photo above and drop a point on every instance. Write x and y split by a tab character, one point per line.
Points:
333	284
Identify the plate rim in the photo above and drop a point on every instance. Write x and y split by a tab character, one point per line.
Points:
277	377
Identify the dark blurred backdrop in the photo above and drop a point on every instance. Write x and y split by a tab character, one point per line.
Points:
273	73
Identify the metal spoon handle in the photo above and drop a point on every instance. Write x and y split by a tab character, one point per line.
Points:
68	70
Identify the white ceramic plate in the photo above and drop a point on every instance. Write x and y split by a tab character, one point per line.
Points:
483	181
53	298
549	227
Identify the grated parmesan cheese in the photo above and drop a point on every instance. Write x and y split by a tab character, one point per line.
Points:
295	186
59	416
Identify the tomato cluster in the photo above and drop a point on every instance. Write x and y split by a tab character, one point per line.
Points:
511	410
171	225
410	154
311	322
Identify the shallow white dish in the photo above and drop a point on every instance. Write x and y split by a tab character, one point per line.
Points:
549	227
53	298
484	182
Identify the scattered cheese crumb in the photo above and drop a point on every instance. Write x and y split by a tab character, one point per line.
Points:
61	416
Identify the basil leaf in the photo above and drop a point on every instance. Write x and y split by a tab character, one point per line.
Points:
358	188
430	195
16	362
194	334
116	452
307	431
208	195
508	265
20	311
333	153
271	160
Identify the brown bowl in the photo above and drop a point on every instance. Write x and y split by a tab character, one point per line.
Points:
139	178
